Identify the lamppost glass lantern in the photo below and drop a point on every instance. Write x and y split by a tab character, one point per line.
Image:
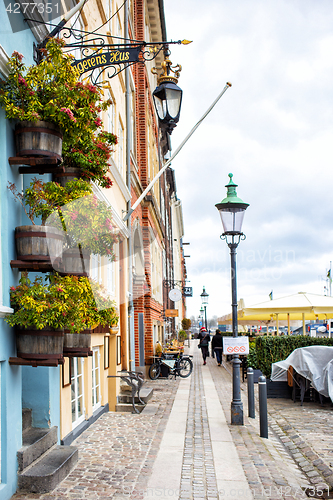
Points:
168	99
204	297
204	300
232	210
167	96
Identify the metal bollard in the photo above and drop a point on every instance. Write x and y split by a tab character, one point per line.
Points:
250	393
263	407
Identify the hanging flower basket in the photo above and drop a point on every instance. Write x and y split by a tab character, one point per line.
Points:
38	139
77	344
70	174
76	262
38	242
37	345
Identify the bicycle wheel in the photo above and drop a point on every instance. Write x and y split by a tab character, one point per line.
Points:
185	367
154	371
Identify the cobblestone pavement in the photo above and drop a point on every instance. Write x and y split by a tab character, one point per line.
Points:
198	478
294	461
116	453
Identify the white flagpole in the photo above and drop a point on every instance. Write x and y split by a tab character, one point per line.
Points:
157	176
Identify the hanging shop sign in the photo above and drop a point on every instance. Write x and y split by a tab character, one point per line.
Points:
98	60
188	291
171	313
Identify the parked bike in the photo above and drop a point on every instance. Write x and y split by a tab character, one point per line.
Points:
181	366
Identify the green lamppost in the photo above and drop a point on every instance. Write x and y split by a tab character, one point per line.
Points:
202	313
232	210
204	300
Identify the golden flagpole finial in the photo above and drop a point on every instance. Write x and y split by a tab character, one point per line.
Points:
186	42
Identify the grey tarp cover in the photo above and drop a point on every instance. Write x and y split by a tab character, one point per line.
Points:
314	363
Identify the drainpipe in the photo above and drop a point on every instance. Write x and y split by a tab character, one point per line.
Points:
129	223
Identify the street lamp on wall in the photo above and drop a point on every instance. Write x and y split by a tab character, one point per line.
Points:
204	300
232	211
167	96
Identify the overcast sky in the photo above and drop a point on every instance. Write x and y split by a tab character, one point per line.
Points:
273	130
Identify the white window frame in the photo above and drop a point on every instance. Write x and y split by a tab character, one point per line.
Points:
79	25
111	112
75	377
120	147
96	268
96	395
110	277
108	14
118	28
132	115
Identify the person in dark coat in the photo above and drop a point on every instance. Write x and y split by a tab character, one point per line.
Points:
217	346
204	338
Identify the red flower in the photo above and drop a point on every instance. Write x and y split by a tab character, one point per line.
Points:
22	80
18	55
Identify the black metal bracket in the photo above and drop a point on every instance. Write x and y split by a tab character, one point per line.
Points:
173	283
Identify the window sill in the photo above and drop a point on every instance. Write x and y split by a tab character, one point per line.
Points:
4	311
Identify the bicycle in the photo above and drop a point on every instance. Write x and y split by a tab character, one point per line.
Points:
181	366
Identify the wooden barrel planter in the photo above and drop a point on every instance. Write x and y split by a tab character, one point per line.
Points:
37	243
77	345
38	139
69	174
76	263
37	345
101	329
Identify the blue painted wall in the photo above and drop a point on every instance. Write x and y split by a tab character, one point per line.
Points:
41	388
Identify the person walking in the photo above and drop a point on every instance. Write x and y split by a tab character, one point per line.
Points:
217	346
204	338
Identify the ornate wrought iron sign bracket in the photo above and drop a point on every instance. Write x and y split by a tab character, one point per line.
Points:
94	55
173	283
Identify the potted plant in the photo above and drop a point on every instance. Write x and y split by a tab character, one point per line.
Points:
89	159
38	320
114	326
91	309
43	309
49	103
40	200
88	225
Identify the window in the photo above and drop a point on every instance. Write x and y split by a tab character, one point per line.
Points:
120	147
149	156
108	14
111	117
132	121
110	277
77	388
118	350
95	268
118	29
106	352
77	25
96	379
111	114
